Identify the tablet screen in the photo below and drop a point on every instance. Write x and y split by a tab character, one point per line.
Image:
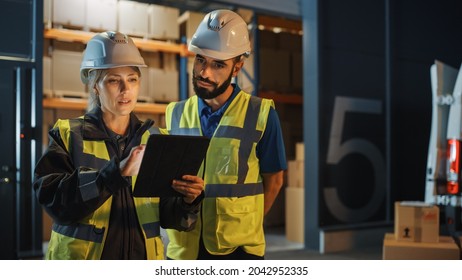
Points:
168	157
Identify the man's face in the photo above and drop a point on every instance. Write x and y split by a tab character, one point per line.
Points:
211	77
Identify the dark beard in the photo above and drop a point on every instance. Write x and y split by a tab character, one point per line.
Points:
206	94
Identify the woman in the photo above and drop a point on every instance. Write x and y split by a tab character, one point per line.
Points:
84	179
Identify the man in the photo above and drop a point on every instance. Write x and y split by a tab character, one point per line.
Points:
243	170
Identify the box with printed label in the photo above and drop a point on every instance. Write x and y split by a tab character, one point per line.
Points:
416	222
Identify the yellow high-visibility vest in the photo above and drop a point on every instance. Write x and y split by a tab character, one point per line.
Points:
85	239
232	210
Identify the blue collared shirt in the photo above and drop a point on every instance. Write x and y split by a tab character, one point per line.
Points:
270	148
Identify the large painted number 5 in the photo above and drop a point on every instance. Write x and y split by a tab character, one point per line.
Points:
337	151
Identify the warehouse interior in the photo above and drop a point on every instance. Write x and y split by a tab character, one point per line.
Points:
352	86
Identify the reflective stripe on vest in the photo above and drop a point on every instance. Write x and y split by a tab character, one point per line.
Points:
94	234
176	120
76	144
233	190
248	131
81	231
94	155
233	205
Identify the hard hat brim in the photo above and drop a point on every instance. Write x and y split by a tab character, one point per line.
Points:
216	54
84	71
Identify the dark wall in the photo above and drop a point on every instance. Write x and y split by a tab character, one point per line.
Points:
352	116
422	32
374	102
20	126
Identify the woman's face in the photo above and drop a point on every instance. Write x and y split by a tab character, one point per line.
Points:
118	91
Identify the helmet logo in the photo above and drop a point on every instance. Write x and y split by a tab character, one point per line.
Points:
215	23
118	37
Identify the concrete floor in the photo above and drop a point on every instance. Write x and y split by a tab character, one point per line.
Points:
279	248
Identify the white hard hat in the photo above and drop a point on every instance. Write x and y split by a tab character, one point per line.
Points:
222	34
108	50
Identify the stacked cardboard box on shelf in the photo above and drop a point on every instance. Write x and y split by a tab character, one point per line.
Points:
163	22
130	17
65	69
416	235
163	85
296	168
294	193
61	76
98	21
280	51
62	60
68	13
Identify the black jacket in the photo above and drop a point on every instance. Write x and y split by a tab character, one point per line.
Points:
56	184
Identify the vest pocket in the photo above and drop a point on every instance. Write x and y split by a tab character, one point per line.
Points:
75	242
177	237
238	221
66	248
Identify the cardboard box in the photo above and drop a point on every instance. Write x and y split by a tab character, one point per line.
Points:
416	222
295	214
133	18
163	22
143	95
445	249
69	13
101	14
47	13
169	62
65	70
47	83
300	151
296	173
163	85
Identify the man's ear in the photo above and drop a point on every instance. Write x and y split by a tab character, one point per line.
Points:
237	67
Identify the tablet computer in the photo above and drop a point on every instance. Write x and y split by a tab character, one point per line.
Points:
168	157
